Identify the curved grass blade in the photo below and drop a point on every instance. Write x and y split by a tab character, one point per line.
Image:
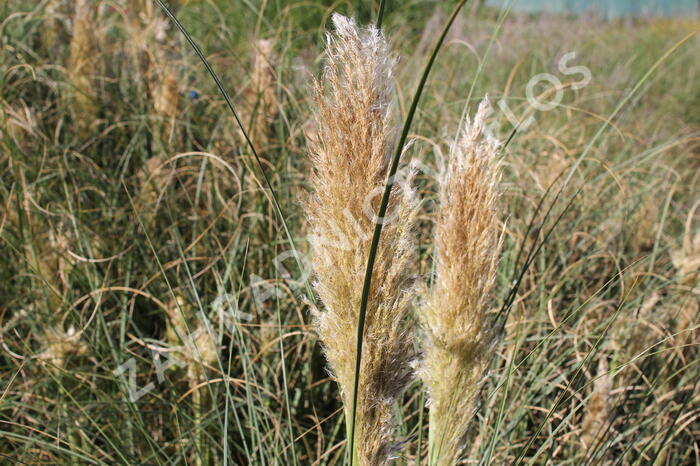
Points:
503	313
518	276
669	430
382	211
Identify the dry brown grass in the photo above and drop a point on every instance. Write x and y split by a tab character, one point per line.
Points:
686	259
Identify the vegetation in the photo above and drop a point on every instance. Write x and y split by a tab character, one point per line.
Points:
164	298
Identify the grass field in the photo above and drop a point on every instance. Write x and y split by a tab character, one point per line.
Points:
156	295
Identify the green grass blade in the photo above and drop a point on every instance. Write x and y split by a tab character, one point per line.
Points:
380	15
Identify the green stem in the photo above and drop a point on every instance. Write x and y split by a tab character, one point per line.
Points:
420	426
380	15
197	405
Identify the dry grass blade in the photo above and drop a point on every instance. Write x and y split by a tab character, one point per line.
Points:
249	142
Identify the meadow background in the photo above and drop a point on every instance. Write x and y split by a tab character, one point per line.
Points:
131	205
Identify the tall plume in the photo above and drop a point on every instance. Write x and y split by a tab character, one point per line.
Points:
261	94
597	409
153	54
81	64
454	315
351	151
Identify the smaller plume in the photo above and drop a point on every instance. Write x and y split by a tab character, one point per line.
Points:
457	342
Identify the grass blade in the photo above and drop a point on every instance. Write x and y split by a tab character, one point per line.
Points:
380	15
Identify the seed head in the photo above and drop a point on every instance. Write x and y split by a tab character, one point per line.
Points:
350	151
454	316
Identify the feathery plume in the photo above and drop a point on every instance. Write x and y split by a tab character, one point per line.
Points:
81	63
351	151
598	406
196	347
197	350
454	315
166	97
60	344
153	57
261	96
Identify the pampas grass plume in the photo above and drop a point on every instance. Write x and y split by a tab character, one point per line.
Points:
81	62
350	151
597	407
456	343
60	344
260	95
165	100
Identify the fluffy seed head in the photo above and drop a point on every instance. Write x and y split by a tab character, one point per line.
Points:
261	95
60	344
81	62
598	406
263	77
350	151
196	346
165	99
454	316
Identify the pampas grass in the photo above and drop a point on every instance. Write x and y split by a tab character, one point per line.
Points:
261	101
155	64
597	406
98	232
195	347
166	96
350	154
60	344
454	315
83	57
